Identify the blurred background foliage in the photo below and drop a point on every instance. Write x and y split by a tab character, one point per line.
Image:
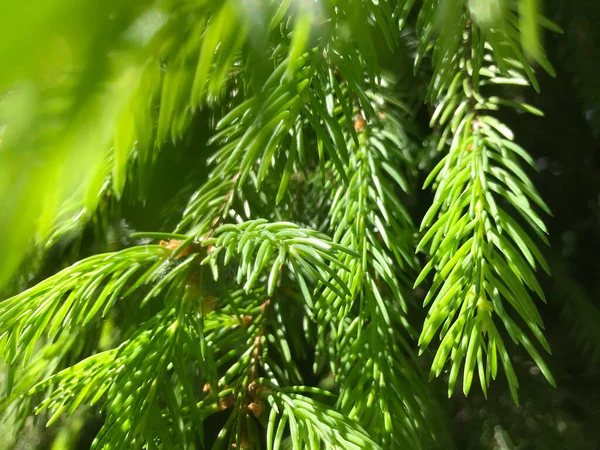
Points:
70	71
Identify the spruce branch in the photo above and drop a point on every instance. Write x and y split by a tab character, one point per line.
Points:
186	337
365	337
311	423
73	297
483	259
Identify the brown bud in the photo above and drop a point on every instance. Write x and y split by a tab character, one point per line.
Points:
359	123
174	244
226	402
257	408
265	304
255	389
246	321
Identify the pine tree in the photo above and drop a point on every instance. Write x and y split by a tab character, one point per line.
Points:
274	304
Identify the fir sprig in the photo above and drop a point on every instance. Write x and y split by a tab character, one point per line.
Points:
482	257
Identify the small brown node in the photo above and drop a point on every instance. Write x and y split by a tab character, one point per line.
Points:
255	389
174	244
359	123
257	408
264	305
226	402
243	444
170	245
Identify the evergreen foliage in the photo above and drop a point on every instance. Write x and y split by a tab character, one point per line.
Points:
272	304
